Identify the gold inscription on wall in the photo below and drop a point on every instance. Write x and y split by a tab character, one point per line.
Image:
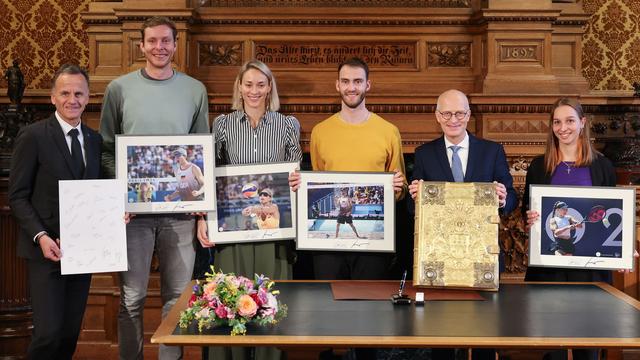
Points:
329	55
519	53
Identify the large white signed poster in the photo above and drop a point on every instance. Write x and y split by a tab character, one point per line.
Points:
92	229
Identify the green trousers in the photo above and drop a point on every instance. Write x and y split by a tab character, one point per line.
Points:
273	259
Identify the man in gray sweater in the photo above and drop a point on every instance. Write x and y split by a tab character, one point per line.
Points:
154	100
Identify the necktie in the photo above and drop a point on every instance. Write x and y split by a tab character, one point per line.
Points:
76	154
456	164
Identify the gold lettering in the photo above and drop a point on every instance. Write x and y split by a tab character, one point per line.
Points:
326	55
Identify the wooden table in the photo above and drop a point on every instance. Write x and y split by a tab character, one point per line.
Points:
520	315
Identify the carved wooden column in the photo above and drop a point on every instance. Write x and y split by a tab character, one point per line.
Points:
517	47
566	47
15	307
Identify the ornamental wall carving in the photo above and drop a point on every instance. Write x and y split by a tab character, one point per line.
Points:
220	54
449	54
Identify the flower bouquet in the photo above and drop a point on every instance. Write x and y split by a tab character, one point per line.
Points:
227	299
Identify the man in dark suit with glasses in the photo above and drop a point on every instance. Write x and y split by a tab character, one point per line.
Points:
461	157
458	156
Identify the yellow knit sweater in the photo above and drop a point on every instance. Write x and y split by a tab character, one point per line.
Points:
374	145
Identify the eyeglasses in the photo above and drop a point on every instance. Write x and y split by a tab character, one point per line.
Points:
460	115
264	194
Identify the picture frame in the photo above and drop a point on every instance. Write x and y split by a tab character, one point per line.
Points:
167	173
334	207
243	213
583	227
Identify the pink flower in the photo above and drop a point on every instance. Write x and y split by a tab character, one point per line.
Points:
245	282
221	312
267	312
230	313
246	306
272	302
270	307
262	295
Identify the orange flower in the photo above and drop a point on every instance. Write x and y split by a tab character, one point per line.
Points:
246	306
209	289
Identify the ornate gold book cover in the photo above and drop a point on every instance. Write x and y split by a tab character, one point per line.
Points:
456	235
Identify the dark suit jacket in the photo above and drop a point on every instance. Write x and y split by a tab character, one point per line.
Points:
487	163
41	157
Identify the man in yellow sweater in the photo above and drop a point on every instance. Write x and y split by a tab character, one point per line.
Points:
355	139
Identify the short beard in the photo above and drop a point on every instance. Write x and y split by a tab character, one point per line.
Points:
358	102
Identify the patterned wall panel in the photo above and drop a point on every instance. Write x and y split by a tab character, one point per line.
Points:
611	44
43	34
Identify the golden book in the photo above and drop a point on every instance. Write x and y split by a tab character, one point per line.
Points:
456	236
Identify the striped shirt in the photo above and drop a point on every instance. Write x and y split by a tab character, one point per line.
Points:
275	139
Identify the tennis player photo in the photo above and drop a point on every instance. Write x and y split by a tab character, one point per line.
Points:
583	227
167	175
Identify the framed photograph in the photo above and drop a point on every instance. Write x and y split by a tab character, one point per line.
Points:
346	211
167	173
583	227
254	203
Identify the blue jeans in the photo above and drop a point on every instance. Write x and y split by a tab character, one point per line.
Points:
173	238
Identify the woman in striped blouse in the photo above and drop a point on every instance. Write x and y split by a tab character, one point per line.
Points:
255	133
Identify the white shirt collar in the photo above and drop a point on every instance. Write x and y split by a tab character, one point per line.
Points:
65	125
463	144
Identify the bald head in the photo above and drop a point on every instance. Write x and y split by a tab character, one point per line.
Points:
452	113
453	98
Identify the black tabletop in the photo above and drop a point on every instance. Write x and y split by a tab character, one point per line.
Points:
517	311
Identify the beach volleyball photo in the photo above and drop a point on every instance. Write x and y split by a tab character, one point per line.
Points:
346	211
253	203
